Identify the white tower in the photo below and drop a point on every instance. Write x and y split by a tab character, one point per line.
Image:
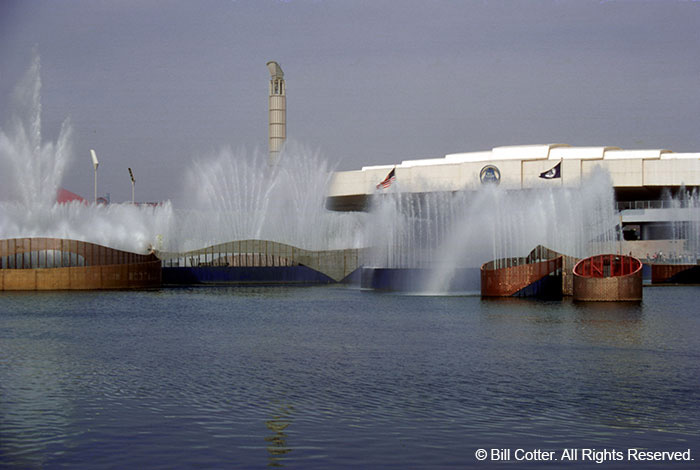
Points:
278	111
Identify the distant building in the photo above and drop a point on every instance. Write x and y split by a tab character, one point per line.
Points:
642	181
636	174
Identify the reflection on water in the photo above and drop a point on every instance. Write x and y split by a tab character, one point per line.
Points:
35	411
621	367
277	442
612	323
632	362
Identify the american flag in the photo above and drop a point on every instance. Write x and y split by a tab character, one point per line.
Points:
390	178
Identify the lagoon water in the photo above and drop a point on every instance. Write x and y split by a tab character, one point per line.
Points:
335	377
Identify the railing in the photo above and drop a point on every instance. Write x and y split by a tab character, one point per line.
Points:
657	204
658	258
608	265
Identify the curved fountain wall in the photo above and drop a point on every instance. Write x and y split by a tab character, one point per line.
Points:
258	262
61	264
675	273
537	275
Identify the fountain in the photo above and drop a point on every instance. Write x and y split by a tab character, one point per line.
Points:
680	266
436	240
444	237
229	198
247	222
47	246
232	196
32	171
236	195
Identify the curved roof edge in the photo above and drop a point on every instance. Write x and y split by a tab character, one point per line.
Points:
542	152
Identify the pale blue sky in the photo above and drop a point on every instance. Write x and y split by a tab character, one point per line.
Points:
154	84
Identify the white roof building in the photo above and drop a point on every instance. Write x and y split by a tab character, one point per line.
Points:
520	167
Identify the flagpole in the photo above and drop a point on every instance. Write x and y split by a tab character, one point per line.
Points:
133	185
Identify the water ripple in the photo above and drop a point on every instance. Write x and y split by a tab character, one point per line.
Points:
312	378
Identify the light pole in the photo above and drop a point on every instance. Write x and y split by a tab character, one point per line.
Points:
133	185
95	163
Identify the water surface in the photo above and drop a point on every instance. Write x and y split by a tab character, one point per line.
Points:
334	377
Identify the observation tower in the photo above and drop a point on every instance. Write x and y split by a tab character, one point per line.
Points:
278	111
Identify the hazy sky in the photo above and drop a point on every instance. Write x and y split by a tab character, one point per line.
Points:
154	84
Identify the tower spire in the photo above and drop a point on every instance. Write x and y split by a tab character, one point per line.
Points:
278	112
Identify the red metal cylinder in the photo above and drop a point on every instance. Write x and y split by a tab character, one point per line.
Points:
608	278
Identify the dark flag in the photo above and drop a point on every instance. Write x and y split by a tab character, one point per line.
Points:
390	178
552	173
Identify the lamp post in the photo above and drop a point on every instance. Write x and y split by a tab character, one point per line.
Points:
133	185
95	163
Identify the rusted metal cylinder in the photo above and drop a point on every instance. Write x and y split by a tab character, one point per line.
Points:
608	278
